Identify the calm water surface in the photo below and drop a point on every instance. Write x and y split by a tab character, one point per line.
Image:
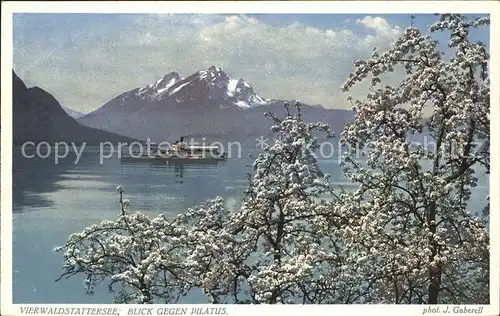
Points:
52	201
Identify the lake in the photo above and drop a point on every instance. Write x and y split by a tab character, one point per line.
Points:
52	201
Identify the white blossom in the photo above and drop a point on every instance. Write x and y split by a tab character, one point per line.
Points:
405	235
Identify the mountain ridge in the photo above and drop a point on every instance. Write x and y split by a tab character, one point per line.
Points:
73	113
207	102
39	117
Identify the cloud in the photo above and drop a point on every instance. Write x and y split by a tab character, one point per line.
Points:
384	32
85	64
377	23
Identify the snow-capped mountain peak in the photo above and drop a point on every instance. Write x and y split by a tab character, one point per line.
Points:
238	86
211	84
167	81
153	91
244	94
215	76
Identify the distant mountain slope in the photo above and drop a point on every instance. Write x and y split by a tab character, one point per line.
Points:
73	113
207	103
39	117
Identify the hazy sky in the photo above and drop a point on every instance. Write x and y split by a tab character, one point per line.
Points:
85	60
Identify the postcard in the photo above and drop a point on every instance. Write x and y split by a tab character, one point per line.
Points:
229	158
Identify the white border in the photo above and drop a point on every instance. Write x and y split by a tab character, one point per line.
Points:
369	7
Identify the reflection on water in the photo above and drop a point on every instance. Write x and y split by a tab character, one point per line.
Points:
177	167
35	181
52	201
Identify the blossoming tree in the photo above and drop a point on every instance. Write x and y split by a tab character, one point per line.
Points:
407	234
411	219
140	258
280	246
